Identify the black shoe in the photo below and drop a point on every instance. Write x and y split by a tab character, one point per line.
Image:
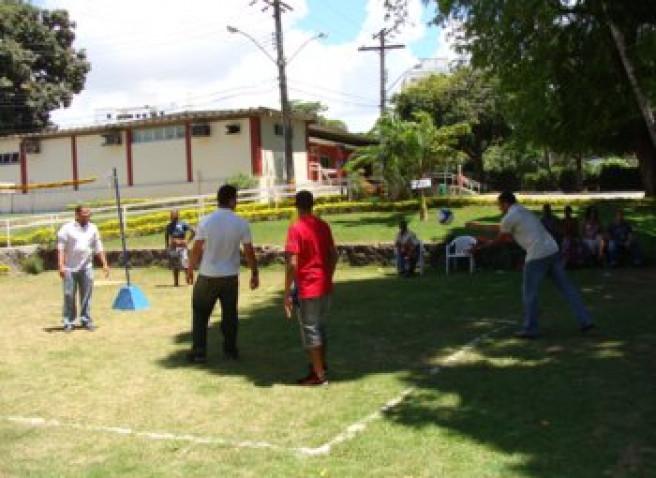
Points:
523	334
586	329
193	357
90	326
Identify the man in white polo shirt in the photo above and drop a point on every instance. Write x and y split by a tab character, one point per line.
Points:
542	258
216	247
77	243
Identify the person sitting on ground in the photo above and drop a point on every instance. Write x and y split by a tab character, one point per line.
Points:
407	250
551	223
593	239
571	242
622	241
175	237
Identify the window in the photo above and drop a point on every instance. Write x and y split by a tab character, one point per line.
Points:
326	162
9	158
278	130
148	135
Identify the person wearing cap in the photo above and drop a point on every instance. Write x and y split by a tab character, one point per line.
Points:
175	237
542	259
311	262
407	250
216	248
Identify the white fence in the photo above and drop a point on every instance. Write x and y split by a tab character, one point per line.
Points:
275	193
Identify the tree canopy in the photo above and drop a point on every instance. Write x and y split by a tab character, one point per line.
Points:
562	69
466	96
40	70
316	108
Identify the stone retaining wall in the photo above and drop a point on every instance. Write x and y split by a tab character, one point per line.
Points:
352	254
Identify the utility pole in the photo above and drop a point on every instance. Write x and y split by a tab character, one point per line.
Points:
382	49
278	8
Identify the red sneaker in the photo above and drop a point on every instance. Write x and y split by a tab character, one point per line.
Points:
312	380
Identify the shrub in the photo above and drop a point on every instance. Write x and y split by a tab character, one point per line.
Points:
542	180
242	181
568	180
504	180
32	264
614	177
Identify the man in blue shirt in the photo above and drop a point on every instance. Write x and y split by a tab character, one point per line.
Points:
175	237
622	241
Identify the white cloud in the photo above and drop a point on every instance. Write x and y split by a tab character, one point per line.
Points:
160	52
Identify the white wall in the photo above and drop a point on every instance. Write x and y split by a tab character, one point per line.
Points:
159	162
53	163
96	160
220	155
9	173
273	148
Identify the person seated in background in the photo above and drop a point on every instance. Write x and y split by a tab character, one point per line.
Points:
571	242
551	223
175	237
622	241
593	239
407	250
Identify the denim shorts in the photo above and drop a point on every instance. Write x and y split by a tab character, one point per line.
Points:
312	315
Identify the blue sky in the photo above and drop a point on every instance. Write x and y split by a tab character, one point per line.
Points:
173	57
343	19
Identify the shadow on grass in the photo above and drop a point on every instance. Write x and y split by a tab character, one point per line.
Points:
562	406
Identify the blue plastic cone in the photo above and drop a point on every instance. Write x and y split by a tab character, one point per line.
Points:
130	297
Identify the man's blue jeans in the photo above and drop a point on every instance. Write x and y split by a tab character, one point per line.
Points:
534	273
82	280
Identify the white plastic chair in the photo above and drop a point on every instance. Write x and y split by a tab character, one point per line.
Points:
460	248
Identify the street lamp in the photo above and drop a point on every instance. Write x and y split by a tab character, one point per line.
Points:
232	29
281	63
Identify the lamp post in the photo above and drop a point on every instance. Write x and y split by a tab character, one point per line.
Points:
285	108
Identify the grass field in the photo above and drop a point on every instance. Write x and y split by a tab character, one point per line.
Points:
382	226
563	406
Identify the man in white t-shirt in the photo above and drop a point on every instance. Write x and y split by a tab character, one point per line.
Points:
216	248
77	243
542	258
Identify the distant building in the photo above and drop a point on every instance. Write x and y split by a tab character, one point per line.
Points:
425	68
164	155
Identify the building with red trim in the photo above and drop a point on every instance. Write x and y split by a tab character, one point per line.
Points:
181	154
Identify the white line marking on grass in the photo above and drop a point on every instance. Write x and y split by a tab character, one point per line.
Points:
354	429
347	434
157	436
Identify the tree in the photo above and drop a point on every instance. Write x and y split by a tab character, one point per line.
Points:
580	74
466	96
40	70
409	150
316	108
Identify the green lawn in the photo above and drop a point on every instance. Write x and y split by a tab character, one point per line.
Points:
382	226
564	406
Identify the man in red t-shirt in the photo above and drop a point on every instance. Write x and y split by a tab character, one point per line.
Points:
311	262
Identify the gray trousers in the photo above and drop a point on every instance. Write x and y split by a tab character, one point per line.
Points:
81	280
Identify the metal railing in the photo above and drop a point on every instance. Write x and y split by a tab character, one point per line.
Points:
269	194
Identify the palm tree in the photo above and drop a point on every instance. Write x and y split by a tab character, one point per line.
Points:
409	150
